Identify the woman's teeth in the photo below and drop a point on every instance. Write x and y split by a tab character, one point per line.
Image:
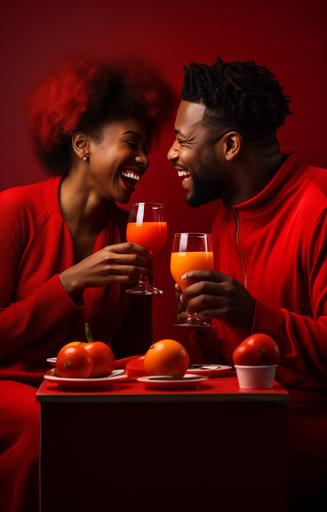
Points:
131	175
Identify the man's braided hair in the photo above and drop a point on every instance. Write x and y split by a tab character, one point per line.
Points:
237	95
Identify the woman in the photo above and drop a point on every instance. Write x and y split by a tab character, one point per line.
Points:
63	254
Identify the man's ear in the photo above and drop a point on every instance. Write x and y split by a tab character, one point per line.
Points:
81	144
231	145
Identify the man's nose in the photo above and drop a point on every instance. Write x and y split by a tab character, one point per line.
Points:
173	151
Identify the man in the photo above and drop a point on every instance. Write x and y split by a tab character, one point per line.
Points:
270	245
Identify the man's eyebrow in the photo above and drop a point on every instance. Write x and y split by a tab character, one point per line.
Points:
177	132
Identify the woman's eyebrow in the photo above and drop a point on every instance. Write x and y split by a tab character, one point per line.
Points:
133	132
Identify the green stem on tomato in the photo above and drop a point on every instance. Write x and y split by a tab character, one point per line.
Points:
88	334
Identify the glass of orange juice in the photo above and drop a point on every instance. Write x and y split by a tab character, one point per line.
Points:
147	226
191	251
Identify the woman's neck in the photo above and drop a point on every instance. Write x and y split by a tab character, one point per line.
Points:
82	209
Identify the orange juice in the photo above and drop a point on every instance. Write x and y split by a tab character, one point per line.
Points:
152	235
182	262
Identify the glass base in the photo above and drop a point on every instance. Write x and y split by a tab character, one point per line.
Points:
193	322
144	290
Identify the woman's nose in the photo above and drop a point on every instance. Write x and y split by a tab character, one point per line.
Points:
142	159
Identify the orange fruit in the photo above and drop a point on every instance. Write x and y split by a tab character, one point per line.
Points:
166	357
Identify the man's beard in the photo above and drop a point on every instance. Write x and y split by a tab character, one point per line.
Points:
208	182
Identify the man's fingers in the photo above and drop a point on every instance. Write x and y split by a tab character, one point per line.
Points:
220	313
178	294
207	288
181	316
202	302
205	275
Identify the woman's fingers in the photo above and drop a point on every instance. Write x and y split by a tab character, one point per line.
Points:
128	248
122	270
141	258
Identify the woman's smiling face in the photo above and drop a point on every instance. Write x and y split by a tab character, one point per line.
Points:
117	159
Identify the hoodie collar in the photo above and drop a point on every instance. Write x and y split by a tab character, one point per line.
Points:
275	191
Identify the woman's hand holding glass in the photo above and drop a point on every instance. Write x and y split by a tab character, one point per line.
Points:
119	263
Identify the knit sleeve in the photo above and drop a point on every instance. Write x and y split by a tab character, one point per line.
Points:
303	339
23	321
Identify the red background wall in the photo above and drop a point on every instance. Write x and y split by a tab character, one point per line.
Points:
288	36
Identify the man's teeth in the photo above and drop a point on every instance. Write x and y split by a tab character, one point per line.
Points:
182	172
131	175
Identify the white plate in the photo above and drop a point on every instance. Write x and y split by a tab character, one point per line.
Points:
188	381
210	370
90	383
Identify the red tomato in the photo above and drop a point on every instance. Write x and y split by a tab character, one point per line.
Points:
74	362
256	350
102	358
74	344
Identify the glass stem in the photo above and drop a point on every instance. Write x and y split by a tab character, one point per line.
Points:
193	316
143	281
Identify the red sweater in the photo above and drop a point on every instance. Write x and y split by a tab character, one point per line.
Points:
37	316
275	244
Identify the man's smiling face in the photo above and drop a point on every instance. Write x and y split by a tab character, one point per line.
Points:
193	155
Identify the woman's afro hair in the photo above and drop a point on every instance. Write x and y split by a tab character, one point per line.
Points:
85	95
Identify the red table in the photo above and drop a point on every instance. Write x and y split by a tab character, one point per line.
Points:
216	448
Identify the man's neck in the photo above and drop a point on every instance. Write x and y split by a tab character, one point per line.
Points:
255	170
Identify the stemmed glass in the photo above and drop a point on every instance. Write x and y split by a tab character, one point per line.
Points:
191	251
147	226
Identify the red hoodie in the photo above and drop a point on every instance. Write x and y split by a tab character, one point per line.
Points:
275	244
37	316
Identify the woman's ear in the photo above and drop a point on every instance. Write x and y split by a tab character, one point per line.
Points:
81	145
231	145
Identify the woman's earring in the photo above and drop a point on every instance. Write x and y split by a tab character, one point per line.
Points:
85	158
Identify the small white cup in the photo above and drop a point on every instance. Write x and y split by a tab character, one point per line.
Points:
255	377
